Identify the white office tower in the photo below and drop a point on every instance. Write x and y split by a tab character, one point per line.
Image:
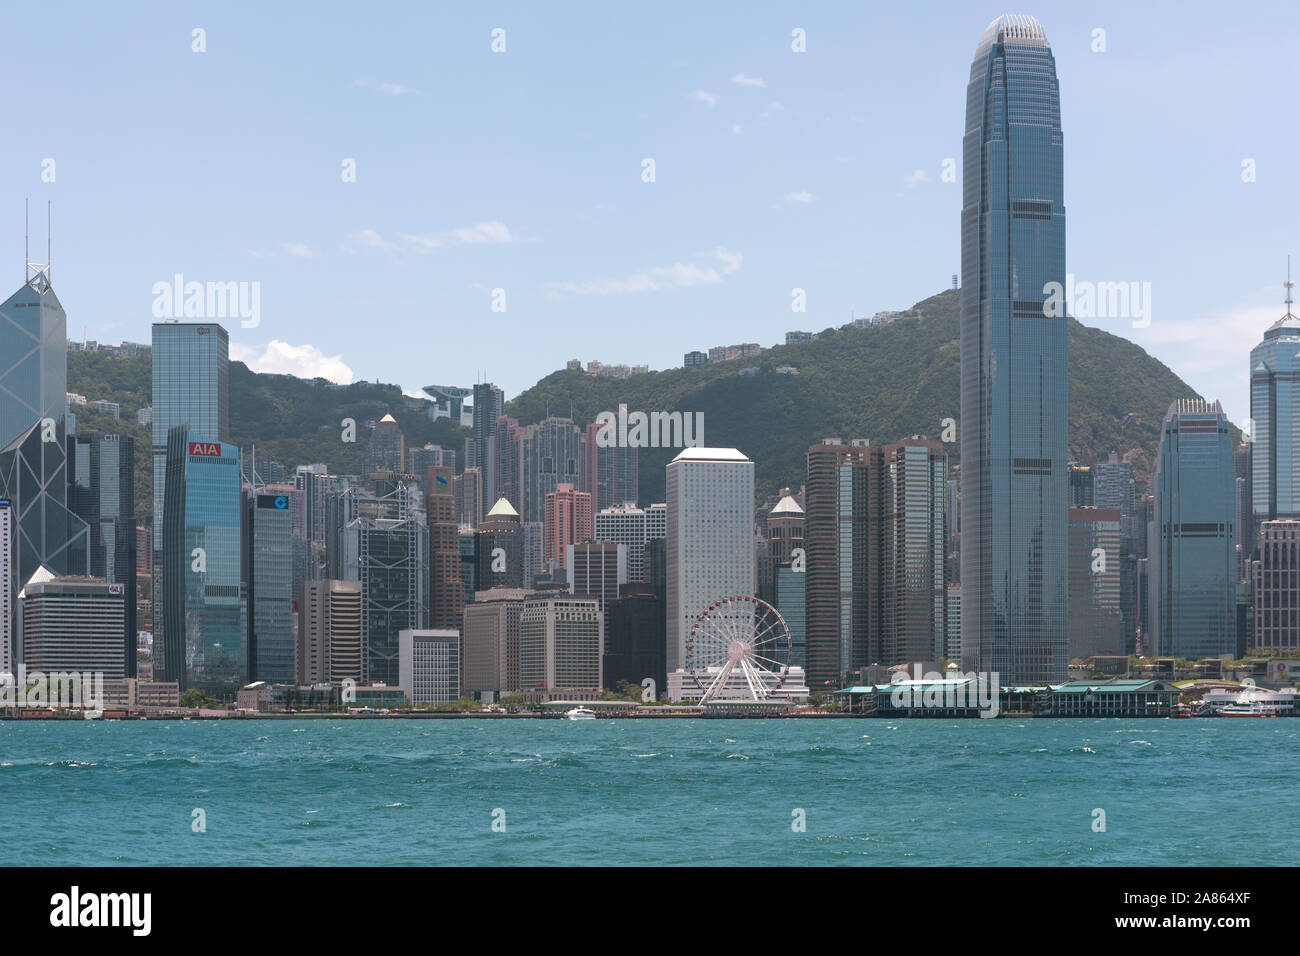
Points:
627	524
709	549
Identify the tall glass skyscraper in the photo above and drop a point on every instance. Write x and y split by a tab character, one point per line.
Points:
270	588
1192	569
101	491
205	632
191	387
33	433
1275	410
1015	485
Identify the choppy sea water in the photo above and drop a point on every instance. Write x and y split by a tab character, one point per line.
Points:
649	792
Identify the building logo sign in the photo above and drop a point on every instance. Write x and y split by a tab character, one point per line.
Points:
209	449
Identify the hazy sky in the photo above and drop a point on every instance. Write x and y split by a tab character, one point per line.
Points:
523	171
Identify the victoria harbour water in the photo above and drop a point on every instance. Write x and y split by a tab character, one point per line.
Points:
649	792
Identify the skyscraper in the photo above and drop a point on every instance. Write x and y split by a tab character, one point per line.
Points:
8	628
1192	586
386	548
567	521
205	630
912	591
613	471
561	646
632	526
1014	336
553	452
102	493
1096	622
1275	411
875	538
446	592
191	387
271	646
835	539
386	451
33	433
710	544
74	624
1276	577
329	636
489	405
500	545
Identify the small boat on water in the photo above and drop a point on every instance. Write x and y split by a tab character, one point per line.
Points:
1257	709
580	713
1181	710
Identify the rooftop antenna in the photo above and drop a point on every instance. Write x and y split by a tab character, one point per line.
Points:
1288	285
49	240
35	274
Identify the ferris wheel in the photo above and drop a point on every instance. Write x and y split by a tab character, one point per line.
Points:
739	648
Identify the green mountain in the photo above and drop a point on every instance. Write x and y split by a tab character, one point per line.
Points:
290	420
882	383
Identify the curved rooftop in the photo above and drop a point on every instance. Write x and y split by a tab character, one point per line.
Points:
1014	28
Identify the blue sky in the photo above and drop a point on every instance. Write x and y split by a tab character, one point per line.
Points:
522	171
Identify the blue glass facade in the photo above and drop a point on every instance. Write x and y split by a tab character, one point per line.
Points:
1192	579
205	632
191	387
270	588
33	434
791	602
1015	490
1275	410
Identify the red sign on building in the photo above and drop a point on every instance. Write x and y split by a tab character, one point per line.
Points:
211	449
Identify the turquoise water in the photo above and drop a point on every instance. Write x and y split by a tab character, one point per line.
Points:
658	792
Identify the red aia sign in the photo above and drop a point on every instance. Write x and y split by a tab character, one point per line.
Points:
211	449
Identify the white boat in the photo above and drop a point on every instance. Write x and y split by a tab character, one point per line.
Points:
580	713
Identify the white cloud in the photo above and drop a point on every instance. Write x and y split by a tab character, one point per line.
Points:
484	232
679	275
490	232
735	129
304	361
374	240
390	89
742	79
916	176
299	250
730	260
801	196
700	96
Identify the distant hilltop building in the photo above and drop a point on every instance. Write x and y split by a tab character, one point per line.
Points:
798	338
880	318
728	353
692	359
126	348
601	370
449	402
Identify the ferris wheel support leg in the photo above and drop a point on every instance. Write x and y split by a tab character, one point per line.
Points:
719	683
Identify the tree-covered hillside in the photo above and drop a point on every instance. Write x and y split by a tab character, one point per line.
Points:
882	383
